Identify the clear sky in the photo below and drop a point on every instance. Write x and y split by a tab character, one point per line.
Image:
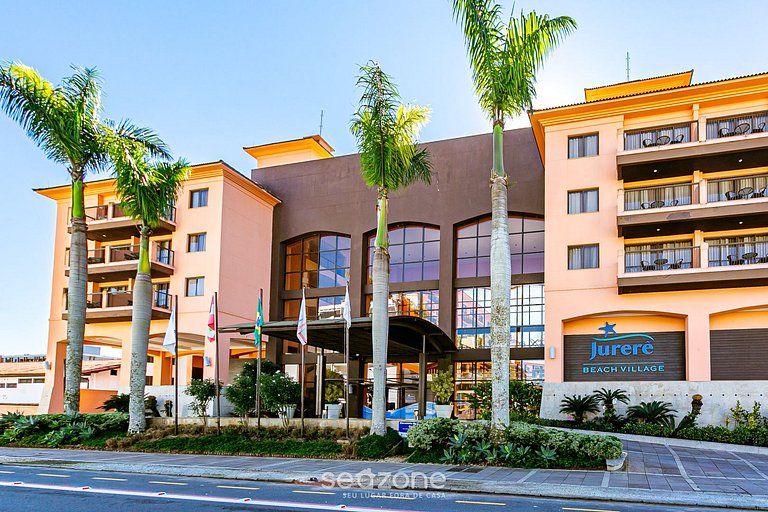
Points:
212	77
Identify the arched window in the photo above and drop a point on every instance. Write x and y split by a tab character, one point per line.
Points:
526	246
414	254
317	261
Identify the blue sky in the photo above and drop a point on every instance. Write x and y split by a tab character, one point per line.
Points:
211	78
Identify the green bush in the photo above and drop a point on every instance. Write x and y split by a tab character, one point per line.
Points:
202	392
432	433
278	390
60	429
656	412
579	406
374	446
442	387
236	443
524	399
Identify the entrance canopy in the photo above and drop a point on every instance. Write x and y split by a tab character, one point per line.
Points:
408	335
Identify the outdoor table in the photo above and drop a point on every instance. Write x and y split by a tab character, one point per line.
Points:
749	256
660	262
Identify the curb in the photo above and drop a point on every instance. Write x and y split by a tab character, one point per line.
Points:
698	499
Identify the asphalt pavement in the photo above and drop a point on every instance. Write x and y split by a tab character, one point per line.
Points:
40	488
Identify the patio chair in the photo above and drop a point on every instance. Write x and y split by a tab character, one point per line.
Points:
730	195
745	193
647	143
678	139
657	204
645	206
733	260
663	140
646	266
724	132
676	265
759	128
742	129
760	192
674	202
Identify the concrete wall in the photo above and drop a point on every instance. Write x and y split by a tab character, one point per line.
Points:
718	396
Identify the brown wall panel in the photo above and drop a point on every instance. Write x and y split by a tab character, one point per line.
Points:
662	358
739	354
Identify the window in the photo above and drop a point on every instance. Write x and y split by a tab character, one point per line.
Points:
162	295
424	304
469	374
39	380
198	198
414	254
583	201
526	245
318	308
317	261
583	256
196	242
10	385
25	381
113	372
583	145
195	286
526	316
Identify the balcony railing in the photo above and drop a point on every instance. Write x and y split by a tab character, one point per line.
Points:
660	197
161	298
659	136
737	125
661	259
729	189
115	211
741	253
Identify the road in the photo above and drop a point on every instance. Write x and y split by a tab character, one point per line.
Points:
39	488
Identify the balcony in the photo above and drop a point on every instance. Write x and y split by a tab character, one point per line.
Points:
709	205
713	264
108	223
114	305
711	145
118	263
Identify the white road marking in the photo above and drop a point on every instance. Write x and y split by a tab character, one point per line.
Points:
53	475
110	479
392	497
165	483
211	499
468	502
313	492
7	472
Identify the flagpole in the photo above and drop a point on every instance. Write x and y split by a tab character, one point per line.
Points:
303	374
257	332
176	363
216	369
346	379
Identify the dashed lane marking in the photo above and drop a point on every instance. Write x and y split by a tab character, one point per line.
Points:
165	483
53	475
237	487
7	472
392	497
313	492
467	502
110	479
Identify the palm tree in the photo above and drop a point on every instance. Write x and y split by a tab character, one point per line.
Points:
64	121
608	396
504	60
147	191
579	406
386	133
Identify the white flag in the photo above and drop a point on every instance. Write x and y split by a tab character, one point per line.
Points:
301	326
346	309
169	342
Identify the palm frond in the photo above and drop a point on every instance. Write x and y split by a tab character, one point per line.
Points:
387	133
152	143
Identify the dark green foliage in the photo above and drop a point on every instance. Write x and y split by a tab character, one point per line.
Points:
278	390
608	396
657	413
420	456
334	386
61	429
202	392
579	406
242	394
374	446
117	403
237	443
524	399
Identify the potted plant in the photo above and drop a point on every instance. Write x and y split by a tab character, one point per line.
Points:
334	390
279	394
442	389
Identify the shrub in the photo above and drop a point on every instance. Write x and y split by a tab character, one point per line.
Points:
749	419
524	399
334	386
657	413
374	446
118	403
277	390
579	406
442	387
432	433
647	429
608	396
242	394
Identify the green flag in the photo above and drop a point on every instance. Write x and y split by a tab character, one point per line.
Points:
259	323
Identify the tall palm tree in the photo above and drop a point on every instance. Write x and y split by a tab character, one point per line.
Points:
504	60
386	133
64	121
147	191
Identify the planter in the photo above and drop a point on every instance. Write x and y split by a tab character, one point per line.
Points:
286	412
333	411
444	411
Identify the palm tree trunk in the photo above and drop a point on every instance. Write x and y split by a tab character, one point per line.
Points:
501	279
76	297
380	320
141	317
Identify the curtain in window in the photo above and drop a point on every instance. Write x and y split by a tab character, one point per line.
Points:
583	257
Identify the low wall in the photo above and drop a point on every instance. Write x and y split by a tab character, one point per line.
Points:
92	399
718	396
354	423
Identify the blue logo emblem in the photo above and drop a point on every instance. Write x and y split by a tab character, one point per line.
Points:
615	347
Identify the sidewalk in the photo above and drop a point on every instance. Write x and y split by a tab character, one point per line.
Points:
655	474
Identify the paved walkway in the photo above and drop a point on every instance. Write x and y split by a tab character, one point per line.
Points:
655	473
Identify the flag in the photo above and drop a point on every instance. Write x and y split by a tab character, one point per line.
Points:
301	326
211	333
169	342
346	309
257	326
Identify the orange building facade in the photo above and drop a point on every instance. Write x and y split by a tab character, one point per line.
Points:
656	236
221	224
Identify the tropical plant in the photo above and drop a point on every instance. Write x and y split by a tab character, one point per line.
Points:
442	387
242	394
579	406
657	413
118	403
64	121
524	399
334	386
386	133
147	190
278	390
202	393
546	455
504	59
608	396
